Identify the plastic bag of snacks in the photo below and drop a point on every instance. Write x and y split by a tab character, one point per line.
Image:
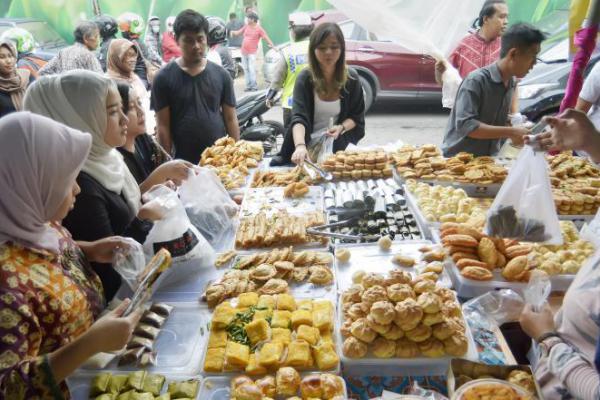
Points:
190	251
129	262
208	205
524	207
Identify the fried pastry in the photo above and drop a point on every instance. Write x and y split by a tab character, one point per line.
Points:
383	348
432	348
408	314
354	348
360	329
400	291
407	349
382	312
477	273
419	334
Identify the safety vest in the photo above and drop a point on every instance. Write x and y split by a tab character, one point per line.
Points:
296	58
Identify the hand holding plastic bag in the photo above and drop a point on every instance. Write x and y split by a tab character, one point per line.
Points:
524	208
538	289
320	147
129	261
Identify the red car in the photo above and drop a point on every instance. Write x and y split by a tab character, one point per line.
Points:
387	70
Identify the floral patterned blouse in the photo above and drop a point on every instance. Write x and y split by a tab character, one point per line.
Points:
46	301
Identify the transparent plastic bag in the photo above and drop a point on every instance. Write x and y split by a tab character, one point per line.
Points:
320	147
538	289
496	307
209	207
129	261
524	208
190	251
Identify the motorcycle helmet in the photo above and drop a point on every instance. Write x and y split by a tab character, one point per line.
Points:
107	25
21	38
217	33
154	24
131	23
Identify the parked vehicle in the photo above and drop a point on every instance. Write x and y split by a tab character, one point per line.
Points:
47	41
386	69
253	127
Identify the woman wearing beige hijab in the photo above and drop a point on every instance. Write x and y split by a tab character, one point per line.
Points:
122	56
49	295
109	202
13	81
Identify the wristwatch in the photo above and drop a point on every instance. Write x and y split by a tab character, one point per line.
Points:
547	341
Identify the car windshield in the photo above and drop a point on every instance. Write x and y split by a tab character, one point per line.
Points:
559	51
44	34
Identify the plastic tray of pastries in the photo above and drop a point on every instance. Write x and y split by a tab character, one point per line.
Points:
215	341
179	343
491	389
371	258
80	382
218	387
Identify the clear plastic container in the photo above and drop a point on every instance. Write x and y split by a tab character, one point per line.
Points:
521	393
80	382
179	344
271	200
371	258
217	388
418	366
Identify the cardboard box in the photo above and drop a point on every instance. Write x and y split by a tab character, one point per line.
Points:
460	368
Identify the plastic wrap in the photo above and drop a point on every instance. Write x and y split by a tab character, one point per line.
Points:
129	262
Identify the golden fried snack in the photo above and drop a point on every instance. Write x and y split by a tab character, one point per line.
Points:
467	262
419	334
456	345
354	348
408	314
487	252
225	258
477	273
383	348
461	240
296	190
517	269
361	330
407	349
382	312
429	302
432	348
400	291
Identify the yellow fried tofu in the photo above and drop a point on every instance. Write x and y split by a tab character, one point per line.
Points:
301	317
266	300
286	302
326	337
281	335
237	354
323	305
253	368
325	356
217	338
270	354
258	330
281	319
246	300
214	360
298	354
309	334
306	304
223	316
322	319
262	314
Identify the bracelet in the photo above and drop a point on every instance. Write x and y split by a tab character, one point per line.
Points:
547	335
300	144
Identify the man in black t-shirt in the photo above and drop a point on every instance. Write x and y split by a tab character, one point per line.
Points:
193	98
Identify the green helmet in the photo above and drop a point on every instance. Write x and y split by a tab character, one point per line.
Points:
132	23
22	39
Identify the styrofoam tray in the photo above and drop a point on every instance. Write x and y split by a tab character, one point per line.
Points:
79	383
371	258
189	290
418	366
180	342
270	200
413	205
468	288
235	373
218	388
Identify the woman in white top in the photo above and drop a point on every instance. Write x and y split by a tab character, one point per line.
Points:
325	91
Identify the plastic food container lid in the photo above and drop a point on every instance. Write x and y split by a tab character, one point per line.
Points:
521	392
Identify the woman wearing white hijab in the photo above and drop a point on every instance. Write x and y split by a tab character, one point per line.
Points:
49	295
109	202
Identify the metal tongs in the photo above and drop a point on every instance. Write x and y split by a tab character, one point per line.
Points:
315	168
323	230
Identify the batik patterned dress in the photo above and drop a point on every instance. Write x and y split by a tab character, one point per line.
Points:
46	301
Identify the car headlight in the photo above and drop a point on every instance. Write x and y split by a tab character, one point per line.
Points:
530	91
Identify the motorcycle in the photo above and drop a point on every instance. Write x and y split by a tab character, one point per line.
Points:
253	127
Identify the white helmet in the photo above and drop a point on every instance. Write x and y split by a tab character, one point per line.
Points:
300	19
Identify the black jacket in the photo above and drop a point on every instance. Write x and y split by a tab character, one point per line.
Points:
352	105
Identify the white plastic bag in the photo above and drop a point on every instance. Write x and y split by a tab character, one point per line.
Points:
538	289
320	147
190	251
524	207
129	261
208	205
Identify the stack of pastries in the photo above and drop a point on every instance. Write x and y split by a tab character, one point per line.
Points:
269	273
262	333
401	316
287	384
346	165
